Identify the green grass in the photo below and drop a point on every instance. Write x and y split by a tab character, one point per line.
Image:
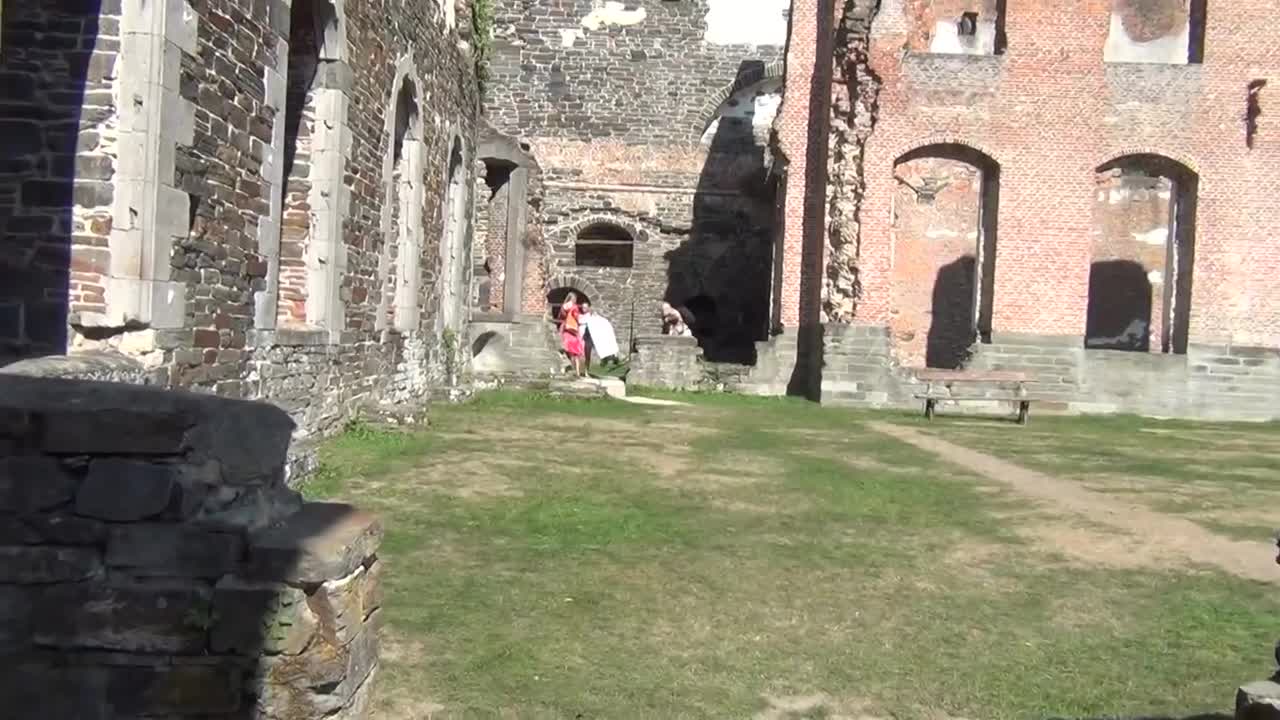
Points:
691	562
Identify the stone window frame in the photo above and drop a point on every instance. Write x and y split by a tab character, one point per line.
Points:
1117	49
406	309
455	233
149	214
525	171
579	240
329	197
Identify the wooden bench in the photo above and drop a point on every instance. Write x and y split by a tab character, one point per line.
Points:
950	378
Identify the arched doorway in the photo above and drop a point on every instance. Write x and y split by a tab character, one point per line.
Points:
945	213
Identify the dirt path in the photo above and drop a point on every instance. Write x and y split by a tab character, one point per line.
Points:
1173	535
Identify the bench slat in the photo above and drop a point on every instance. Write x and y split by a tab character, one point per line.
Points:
971	376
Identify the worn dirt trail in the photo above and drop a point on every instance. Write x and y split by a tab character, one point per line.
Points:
1174	536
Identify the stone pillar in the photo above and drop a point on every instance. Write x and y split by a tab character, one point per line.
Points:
153	562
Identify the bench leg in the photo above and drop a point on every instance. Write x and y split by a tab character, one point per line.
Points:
1024	411
928	409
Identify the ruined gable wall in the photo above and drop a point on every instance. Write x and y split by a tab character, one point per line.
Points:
614	100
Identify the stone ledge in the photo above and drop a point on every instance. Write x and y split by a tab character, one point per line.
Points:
322	541
248	440
1258	701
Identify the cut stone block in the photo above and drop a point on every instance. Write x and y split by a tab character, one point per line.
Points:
1258	701
113	432
322	541
322	680
33	483
129	618
340	606
35	565
125	490
173	551
261	617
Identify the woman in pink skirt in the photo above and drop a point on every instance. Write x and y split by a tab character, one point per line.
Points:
571	332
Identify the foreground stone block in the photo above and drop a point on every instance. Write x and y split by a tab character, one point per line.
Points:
253	618
1258	701
35	689
173	551
321	681
128	618
340	606
33	564
323	541
125	490
29	484
116	431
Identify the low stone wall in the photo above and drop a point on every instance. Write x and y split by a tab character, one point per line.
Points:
667	361
154	564
1210	383
520	349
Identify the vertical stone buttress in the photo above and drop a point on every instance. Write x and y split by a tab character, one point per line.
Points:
854	108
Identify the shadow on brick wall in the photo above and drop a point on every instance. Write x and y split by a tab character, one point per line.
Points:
721	273
952	330
55	72
1120	306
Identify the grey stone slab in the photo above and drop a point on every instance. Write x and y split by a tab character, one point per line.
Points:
34	483
1258	701
36	564
128	618
253	618
154	550
321	680
113	432
322	541
126	490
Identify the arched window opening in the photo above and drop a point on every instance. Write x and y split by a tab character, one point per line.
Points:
555	298
1168	32
604	245
1143	255
944	229
405	199
311	256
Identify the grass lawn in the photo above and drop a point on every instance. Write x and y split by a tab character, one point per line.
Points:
1224	476
745	558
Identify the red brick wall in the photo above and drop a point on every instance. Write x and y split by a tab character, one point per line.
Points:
1051	112
792	133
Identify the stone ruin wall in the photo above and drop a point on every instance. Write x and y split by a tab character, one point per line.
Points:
196	263
156	565
613	100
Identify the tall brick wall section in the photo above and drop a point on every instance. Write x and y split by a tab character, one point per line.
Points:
229	63
1050	112
613	102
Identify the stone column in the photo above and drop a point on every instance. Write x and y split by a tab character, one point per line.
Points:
153	562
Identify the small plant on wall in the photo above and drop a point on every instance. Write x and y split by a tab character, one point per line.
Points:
482	15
